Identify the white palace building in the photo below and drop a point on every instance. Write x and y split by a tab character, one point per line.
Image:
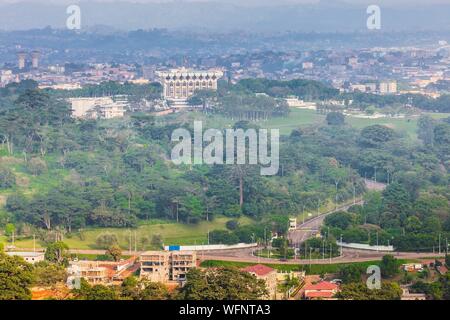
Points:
180	84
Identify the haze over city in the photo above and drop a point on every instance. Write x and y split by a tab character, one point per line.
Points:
228	15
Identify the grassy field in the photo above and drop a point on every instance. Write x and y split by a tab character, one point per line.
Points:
303	117
314	269
171	234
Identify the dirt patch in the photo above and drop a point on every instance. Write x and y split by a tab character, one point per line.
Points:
60	292
10	160
22	181
3	200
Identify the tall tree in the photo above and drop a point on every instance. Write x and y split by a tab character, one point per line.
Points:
16	277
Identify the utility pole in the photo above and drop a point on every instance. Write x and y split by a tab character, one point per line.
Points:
318	207
34	243
323	250
310	251
439	243
341	245
306	247
265	239
331	249
135	242
303	213
377	241
129	240
354	193
336	197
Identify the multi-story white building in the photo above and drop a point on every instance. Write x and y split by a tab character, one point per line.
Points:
101	107
180	84
6	77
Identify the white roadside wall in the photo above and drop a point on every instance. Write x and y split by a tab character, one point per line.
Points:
211	247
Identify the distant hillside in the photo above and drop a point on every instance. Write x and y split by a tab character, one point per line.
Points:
212	16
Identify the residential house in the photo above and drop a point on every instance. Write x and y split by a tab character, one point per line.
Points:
323	290
269	275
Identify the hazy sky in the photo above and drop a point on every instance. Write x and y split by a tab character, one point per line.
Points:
251	15
252	2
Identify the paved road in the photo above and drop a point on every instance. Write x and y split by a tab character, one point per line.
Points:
306	230
349	255
246	255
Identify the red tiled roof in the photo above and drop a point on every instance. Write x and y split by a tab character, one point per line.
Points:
324	285
319	294
259	269
442	269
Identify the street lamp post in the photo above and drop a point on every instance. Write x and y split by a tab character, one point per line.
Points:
318	207
303	214
354	193
336	197
310	258
377	241
331	250
439	243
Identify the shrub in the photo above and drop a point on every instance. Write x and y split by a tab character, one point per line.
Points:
7	178
232	225
106	240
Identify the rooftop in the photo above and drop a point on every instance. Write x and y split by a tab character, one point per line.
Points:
259	269
24	253
324	285
319	294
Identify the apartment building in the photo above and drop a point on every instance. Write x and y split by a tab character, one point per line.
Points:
269	275
166	266
91	271
99	107
102	272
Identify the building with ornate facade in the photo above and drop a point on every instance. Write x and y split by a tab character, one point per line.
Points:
180	84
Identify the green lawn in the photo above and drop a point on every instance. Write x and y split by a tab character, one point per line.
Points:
171	233
406	125
301	118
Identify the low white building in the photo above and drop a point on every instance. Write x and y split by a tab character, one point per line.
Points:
30	257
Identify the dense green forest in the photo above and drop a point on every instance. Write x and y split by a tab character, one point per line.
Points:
118	173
